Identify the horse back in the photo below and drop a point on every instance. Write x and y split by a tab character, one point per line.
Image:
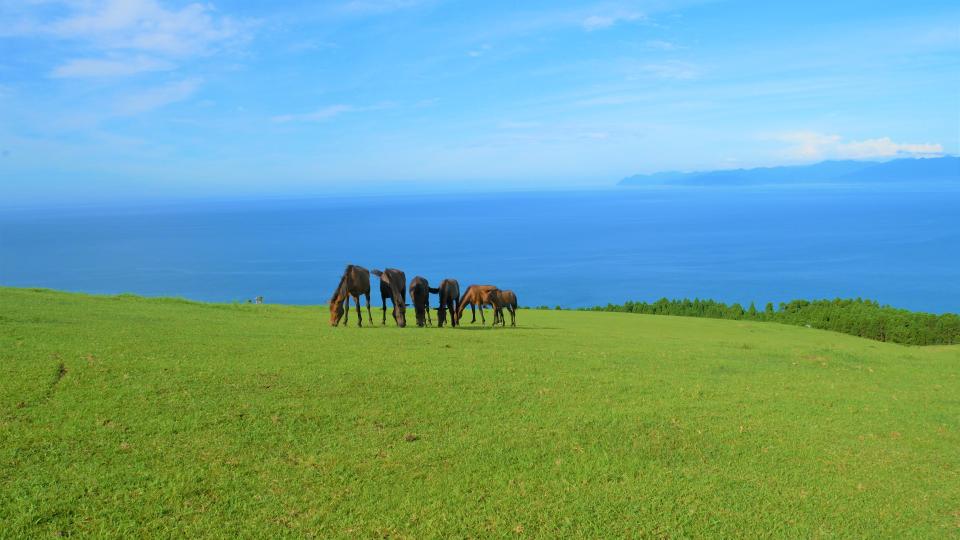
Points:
358	279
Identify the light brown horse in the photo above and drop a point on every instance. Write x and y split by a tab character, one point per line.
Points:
354	282
474	296
502	299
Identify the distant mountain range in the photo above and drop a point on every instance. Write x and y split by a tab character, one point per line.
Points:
942	169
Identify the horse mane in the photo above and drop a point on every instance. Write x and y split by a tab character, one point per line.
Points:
340	286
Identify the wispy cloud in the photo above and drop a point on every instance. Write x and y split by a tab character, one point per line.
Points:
479	51
97	67
812	146
319	115
376	7
514	124
145	25
674	70
661	45
156	98
599	22
309	45
127	37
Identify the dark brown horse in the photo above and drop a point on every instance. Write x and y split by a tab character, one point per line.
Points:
474	296
449	292
393	285
502	299
354	282
420	296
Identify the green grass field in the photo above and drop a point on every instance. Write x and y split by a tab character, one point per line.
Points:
123	416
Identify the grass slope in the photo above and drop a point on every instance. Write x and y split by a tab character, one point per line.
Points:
122	416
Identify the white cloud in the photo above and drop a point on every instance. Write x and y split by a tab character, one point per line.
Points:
513	124
96	67
599	22
479	51
156	98
318	115
884	147
309	45
680	71
126	37
811	146
661	45
146	25
375	7
331	111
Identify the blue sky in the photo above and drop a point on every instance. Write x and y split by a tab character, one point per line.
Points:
155	98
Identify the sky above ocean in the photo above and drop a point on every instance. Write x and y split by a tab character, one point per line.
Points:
138	99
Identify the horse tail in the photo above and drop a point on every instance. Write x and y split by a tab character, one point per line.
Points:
434	290
377	273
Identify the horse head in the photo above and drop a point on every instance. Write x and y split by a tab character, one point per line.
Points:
336	311
399	312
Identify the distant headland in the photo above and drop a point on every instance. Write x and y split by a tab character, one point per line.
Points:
940	169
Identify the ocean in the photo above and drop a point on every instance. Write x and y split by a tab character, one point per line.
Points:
900	246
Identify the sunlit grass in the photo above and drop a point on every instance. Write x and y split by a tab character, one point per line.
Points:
124	416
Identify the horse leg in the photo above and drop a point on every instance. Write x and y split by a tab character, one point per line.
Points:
356	298
473	313
346	311
429	319
369	316
384	321
513	316
482	318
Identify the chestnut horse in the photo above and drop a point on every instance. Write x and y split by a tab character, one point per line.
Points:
420	296
354	282
393	285
502	299
449	292
474	296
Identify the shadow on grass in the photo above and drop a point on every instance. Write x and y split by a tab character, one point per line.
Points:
508	328
472	328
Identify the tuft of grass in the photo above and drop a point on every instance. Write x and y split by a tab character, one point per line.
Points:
134	416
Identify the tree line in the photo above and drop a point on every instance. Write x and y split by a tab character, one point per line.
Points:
858	317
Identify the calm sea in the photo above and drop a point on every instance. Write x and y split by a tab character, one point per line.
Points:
898	246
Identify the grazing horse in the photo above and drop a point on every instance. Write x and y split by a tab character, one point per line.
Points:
354	282
449	292
393	285
420	295
474	297
499	300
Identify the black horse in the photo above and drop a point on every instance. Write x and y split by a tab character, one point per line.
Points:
393	285
420	296
449	292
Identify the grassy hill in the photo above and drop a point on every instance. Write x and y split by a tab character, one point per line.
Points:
124	416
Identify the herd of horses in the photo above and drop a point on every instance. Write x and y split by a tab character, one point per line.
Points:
355	282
